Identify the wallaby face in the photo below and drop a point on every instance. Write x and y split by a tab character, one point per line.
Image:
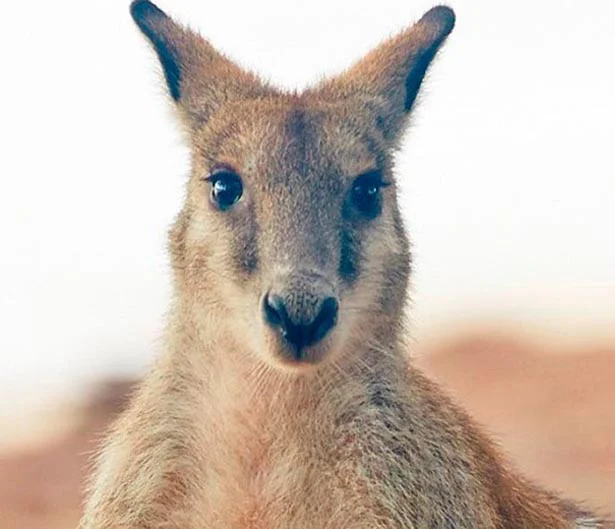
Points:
291	226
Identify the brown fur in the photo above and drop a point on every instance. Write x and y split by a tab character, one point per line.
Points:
226	432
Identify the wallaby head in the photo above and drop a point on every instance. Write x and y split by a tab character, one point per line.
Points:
290	240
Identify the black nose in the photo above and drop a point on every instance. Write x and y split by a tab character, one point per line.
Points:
300	335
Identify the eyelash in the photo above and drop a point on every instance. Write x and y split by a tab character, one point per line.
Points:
373	178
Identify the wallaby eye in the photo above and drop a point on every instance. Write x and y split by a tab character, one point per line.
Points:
226	188
366	193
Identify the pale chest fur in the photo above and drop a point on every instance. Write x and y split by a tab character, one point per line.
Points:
311	465
279	462
286	493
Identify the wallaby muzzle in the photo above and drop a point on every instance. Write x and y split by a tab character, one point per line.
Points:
302	309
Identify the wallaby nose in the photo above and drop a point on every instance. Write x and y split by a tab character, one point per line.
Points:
300	334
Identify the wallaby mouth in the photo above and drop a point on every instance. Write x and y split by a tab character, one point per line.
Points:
301	313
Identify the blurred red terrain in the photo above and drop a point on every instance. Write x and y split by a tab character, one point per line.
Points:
552	412
42	488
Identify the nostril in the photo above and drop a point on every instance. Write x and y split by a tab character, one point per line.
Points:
275	313
325	321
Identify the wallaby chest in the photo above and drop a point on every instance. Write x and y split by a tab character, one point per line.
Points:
265	471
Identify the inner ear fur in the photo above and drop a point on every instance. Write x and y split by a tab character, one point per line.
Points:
198	77
387	80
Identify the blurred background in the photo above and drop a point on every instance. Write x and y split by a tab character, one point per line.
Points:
508	182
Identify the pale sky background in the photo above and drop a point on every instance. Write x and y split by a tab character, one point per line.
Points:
508	173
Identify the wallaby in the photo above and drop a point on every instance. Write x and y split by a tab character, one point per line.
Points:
284	397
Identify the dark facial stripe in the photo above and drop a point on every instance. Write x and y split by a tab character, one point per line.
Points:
297	134
350	246
245	245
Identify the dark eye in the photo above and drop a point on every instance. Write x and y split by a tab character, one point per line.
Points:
366	193
226	188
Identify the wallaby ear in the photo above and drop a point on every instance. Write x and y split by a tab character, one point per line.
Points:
198	77
387	80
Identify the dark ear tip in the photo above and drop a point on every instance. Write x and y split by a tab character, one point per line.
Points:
144	10
440	17
158	27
